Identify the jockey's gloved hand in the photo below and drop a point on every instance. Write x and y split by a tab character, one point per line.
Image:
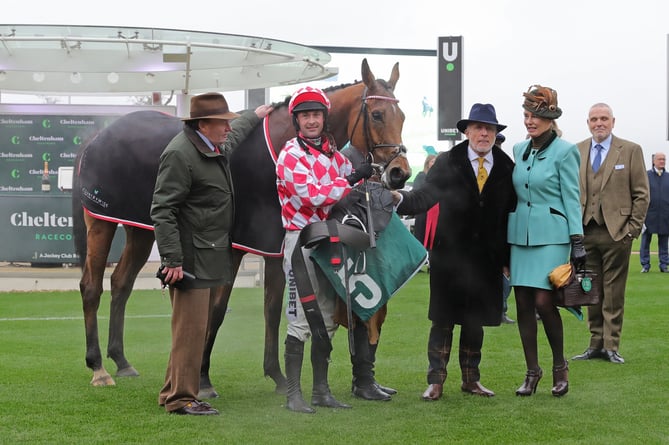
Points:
578	254
363	171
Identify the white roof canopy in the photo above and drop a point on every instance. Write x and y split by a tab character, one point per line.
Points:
118	60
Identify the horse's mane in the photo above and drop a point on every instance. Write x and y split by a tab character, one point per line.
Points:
284	103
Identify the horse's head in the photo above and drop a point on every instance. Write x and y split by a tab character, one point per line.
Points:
378	128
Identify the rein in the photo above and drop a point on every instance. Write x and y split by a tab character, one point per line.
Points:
400	148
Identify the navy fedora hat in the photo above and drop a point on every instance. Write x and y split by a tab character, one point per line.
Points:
483	113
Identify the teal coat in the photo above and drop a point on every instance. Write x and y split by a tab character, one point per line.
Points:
547	187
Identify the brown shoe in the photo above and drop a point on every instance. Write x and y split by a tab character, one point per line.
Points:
477	389
433	392
196	408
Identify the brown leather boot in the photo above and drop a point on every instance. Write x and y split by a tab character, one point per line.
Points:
433	392
561	380
529	386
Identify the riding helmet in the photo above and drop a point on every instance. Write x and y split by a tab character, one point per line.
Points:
307	99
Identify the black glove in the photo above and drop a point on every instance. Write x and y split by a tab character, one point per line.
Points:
363	171
577	252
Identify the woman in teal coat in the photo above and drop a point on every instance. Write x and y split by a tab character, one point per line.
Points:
542	231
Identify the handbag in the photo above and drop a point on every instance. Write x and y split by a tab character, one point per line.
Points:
580	288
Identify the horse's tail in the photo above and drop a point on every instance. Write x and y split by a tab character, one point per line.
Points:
78	223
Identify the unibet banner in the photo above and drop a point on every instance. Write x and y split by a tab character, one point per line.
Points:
398	256
449	72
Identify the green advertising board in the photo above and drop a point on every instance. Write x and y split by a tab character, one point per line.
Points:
35	207
38	229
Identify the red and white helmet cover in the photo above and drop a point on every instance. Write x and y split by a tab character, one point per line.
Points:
308	98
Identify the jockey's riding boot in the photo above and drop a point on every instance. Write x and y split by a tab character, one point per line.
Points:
321	395
372	358
364	385
294	355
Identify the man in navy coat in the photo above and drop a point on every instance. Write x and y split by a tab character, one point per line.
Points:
657	218
472	184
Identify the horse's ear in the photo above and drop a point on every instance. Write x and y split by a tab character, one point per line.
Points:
367	76
394	76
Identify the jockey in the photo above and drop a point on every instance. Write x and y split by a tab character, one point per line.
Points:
312	176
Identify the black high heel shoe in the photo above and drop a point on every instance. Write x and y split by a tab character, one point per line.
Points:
529	386
561	380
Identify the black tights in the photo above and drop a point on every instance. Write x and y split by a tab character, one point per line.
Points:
529	299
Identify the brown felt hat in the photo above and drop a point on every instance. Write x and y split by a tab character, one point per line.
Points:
542	101
209	106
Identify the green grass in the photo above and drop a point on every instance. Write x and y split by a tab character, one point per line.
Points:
45	395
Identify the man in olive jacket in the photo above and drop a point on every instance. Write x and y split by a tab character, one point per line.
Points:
192	213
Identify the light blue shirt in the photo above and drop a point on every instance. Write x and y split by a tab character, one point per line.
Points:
206	141
606	144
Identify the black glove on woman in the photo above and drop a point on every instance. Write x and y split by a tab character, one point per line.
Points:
577	252
363	171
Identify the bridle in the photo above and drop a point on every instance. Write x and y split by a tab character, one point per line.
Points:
400	149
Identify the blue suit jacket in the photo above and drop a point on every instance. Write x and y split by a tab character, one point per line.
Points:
547	186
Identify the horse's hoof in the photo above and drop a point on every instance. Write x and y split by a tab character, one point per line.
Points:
127	372
102	378
207	393
281	385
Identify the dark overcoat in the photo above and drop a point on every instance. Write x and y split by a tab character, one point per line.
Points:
657	217
470	247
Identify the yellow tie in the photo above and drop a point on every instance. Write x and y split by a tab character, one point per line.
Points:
483	174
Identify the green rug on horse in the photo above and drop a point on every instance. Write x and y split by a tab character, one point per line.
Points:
375	274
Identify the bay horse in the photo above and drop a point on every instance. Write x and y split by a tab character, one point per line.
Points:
113	184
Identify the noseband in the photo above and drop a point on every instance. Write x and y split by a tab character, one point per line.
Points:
400	149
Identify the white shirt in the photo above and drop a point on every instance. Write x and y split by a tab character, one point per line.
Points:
474	160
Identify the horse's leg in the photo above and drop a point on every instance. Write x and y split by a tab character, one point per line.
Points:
135	253
218	306
99	235
275	282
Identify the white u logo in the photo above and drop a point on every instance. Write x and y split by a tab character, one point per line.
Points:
449	51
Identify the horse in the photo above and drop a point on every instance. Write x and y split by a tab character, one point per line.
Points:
113	184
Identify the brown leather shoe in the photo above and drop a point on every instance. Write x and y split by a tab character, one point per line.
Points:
433	392
196	408
477	389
